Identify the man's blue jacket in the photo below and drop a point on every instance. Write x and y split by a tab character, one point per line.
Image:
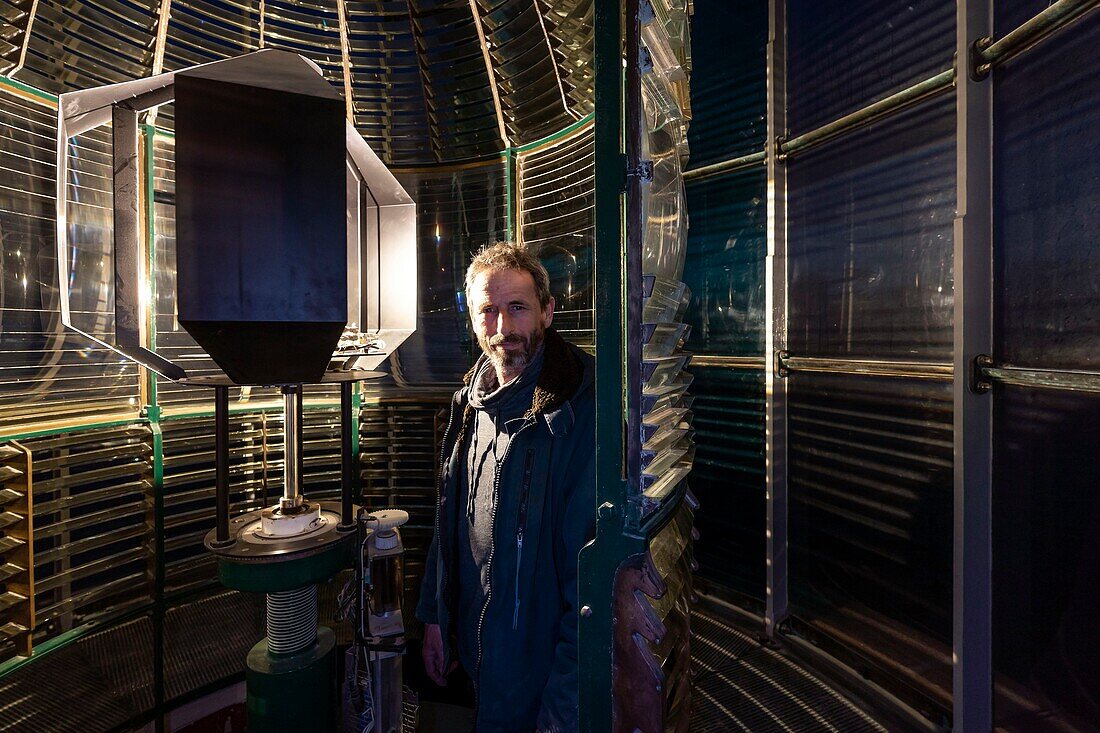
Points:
544	513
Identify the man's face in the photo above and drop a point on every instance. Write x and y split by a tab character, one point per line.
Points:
507	318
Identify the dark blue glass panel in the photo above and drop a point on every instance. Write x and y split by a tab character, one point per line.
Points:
727	246
1011	14
1047	202
1046	560
728	478
843	56
870	240
728	82
870	498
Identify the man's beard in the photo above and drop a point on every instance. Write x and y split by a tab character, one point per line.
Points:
512	361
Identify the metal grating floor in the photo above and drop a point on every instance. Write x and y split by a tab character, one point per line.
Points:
741	685
105	680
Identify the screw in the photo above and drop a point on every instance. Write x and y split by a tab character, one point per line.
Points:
586	611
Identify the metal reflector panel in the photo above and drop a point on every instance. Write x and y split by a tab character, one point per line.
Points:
261	249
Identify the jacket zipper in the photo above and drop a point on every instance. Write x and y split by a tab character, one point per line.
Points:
521	523
492	550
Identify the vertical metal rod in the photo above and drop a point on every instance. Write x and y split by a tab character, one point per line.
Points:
973	412
632	258
347	460
292	459
776	329
221	463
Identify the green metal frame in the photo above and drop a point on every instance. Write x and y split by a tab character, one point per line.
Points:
600	560
511	190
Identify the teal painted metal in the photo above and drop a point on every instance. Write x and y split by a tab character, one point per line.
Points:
159	571
296	692
511	188
78	428
27	89
559	135
356	406
600	559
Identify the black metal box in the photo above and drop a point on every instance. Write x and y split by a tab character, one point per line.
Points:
261	216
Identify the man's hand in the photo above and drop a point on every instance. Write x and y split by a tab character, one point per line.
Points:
433	655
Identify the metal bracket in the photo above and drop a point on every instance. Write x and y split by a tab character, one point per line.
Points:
779	154
978	67
979	382
781	369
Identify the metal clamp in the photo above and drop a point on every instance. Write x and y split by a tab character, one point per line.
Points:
780	153
978	66
781	369
980	383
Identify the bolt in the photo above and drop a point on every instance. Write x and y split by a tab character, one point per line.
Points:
586	611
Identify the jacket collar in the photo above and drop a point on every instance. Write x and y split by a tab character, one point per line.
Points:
558	381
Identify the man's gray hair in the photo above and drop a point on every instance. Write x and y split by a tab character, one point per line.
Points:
510	256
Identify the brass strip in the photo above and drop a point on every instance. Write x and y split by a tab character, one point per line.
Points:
870	367
490	73
26	39
1066	379
345	58
729	362
263	18
553	61
162	38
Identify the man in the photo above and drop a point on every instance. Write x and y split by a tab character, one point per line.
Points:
516	504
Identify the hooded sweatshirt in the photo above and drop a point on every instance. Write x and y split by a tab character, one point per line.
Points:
498	414
544	514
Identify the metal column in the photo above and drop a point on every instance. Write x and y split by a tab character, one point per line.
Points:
776	328
973	674
601	558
